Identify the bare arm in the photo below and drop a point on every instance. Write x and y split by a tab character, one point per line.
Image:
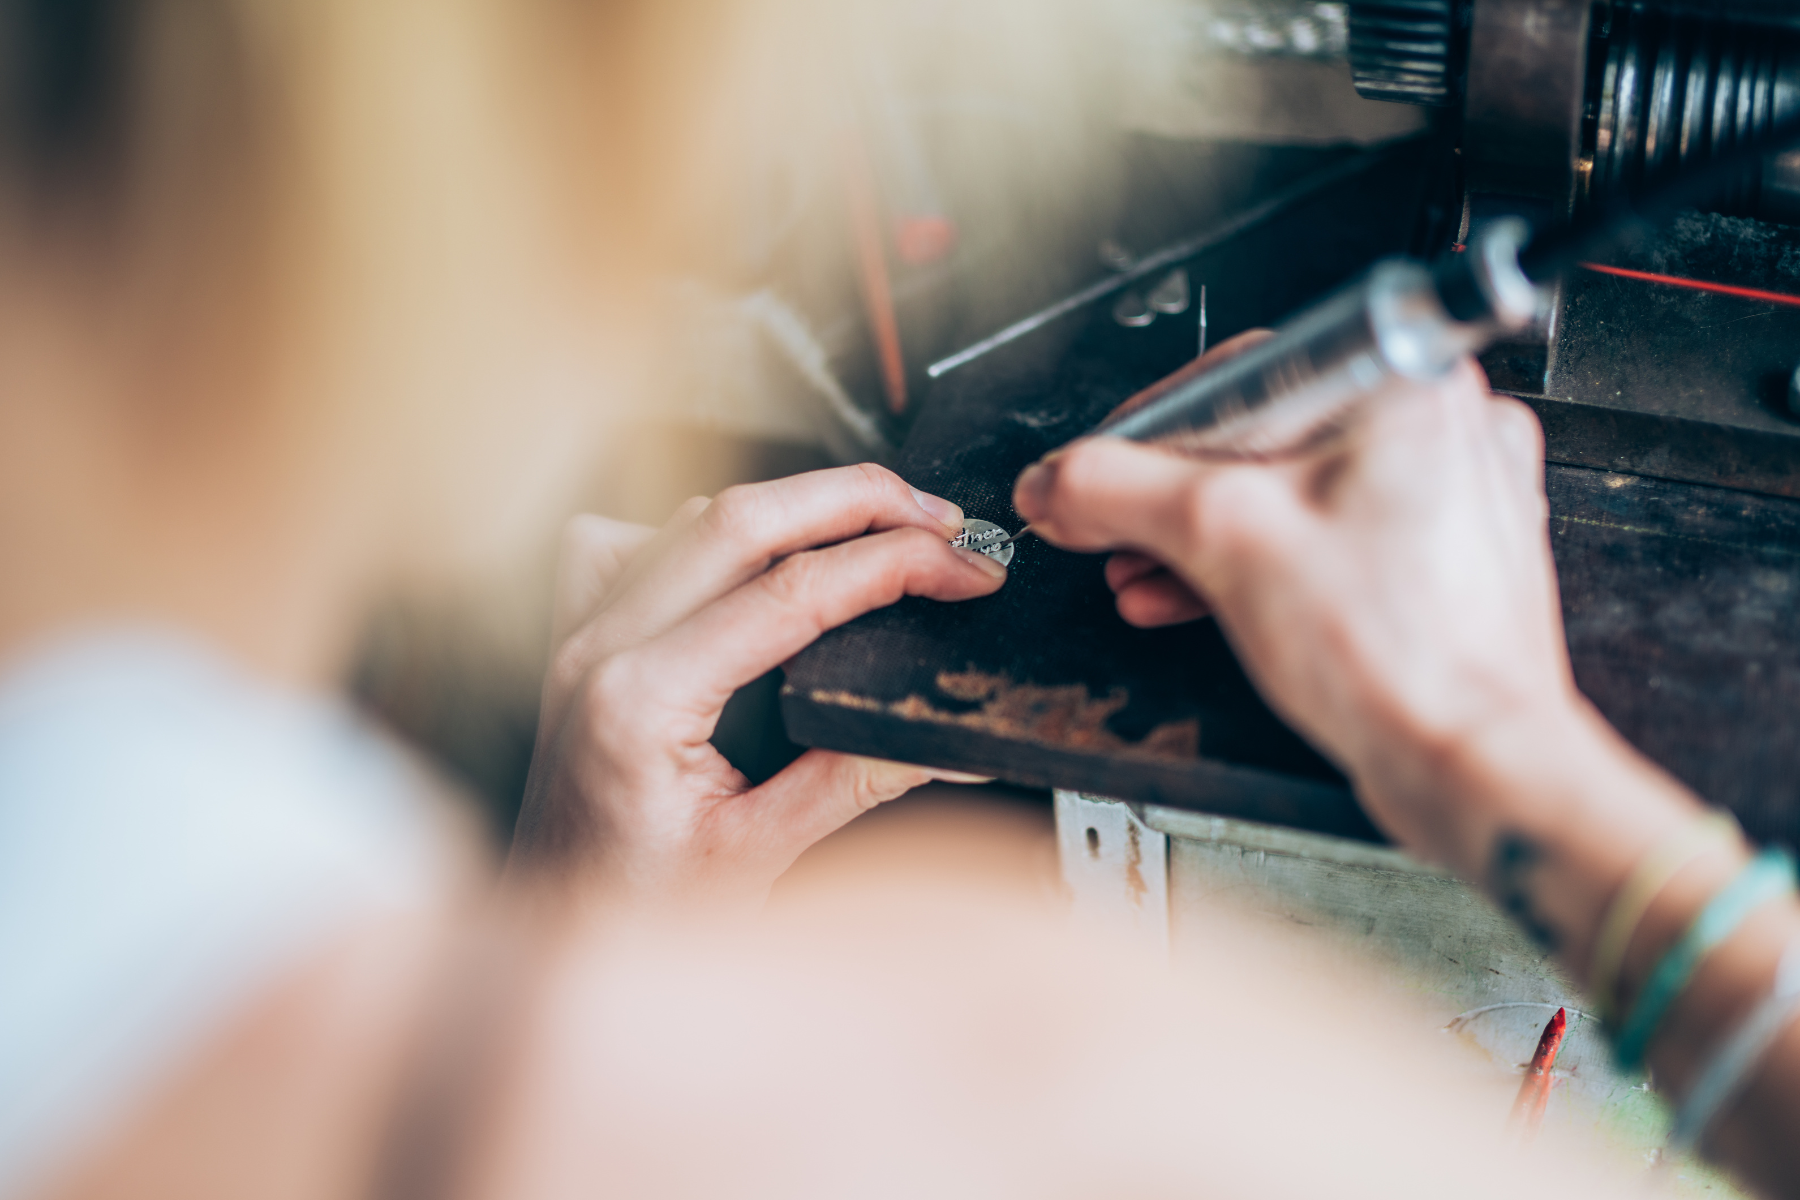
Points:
901	1035
1394	598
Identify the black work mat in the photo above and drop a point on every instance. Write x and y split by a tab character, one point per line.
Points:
1682	605
1681	599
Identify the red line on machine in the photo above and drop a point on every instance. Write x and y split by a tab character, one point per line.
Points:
1699	285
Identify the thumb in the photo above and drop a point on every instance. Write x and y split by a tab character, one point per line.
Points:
1107	494
819	793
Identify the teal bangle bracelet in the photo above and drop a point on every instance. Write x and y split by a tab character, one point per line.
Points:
1768	875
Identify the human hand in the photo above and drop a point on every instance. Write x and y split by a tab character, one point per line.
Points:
1150	595
1391	593
653	632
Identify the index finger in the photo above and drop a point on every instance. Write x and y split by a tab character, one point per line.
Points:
746	528
1109	494
693	668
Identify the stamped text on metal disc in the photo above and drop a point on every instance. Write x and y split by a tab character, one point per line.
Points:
985	537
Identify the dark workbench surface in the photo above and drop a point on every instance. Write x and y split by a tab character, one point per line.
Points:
1681	599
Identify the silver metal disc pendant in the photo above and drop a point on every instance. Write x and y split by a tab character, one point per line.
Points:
985	537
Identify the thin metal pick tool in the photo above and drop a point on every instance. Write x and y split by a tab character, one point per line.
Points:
1015	537
962	539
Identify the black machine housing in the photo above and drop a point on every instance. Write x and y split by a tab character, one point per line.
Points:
1565	103
1673	454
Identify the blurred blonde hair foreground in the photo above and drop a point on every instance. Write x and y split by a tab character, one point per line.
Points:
296	298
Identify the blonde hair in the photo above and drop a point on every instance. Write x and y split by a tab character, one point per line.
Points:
369	243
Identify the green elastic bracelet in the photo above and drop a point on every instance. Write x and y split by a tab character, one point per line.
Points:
1769	874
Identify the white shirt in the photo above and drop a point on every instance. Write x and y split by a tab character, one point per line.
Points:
173	834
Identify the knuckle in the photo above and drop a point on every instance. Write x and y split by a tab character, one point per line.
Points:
1471	374
691	508
616	687
1518	421
866	794
584	539
878	488
1196	506
912	540
569	668
587	538
1338	638
1080	470
877	478
735	513
874	782
614	720
796	586
904	551
1067	489
795	581
1219	516
582	530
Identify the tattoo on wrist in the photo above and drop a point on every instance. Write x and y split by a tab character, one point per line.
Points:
1515	859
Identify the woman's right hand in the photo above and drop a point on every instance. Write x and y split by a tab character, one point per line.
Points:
1392	593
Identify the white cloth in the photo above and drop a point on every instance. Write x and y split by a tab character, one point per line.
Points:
173	834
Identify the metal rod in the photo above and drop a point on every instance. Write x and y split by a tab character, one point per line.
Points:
871	261
1305	378
1168	256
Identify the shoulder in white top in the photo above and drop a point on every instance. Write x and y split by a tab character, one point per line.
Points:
173	834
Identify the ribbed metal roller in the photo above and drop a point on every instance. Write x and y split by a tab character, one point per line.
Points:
1677	88
1401	50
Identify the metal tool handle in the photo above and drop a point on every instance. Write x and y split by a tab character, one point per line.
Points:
1401	319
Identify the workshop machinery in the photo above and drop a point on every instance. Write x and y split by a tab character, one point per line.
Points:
1662	371
1673	477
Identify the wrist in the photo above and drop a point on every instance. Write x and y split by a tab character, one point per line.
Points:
1528	768
1547	807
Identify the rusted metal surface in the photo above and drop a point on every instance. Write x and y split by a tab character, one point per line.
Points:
1116	868
1065	715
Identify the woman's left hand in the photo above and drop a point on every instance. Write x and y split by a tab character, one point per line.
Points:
653	633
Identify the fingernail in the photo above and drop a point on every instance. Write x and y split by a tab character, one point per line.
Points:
960	777
988	566
1032	491
940	510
